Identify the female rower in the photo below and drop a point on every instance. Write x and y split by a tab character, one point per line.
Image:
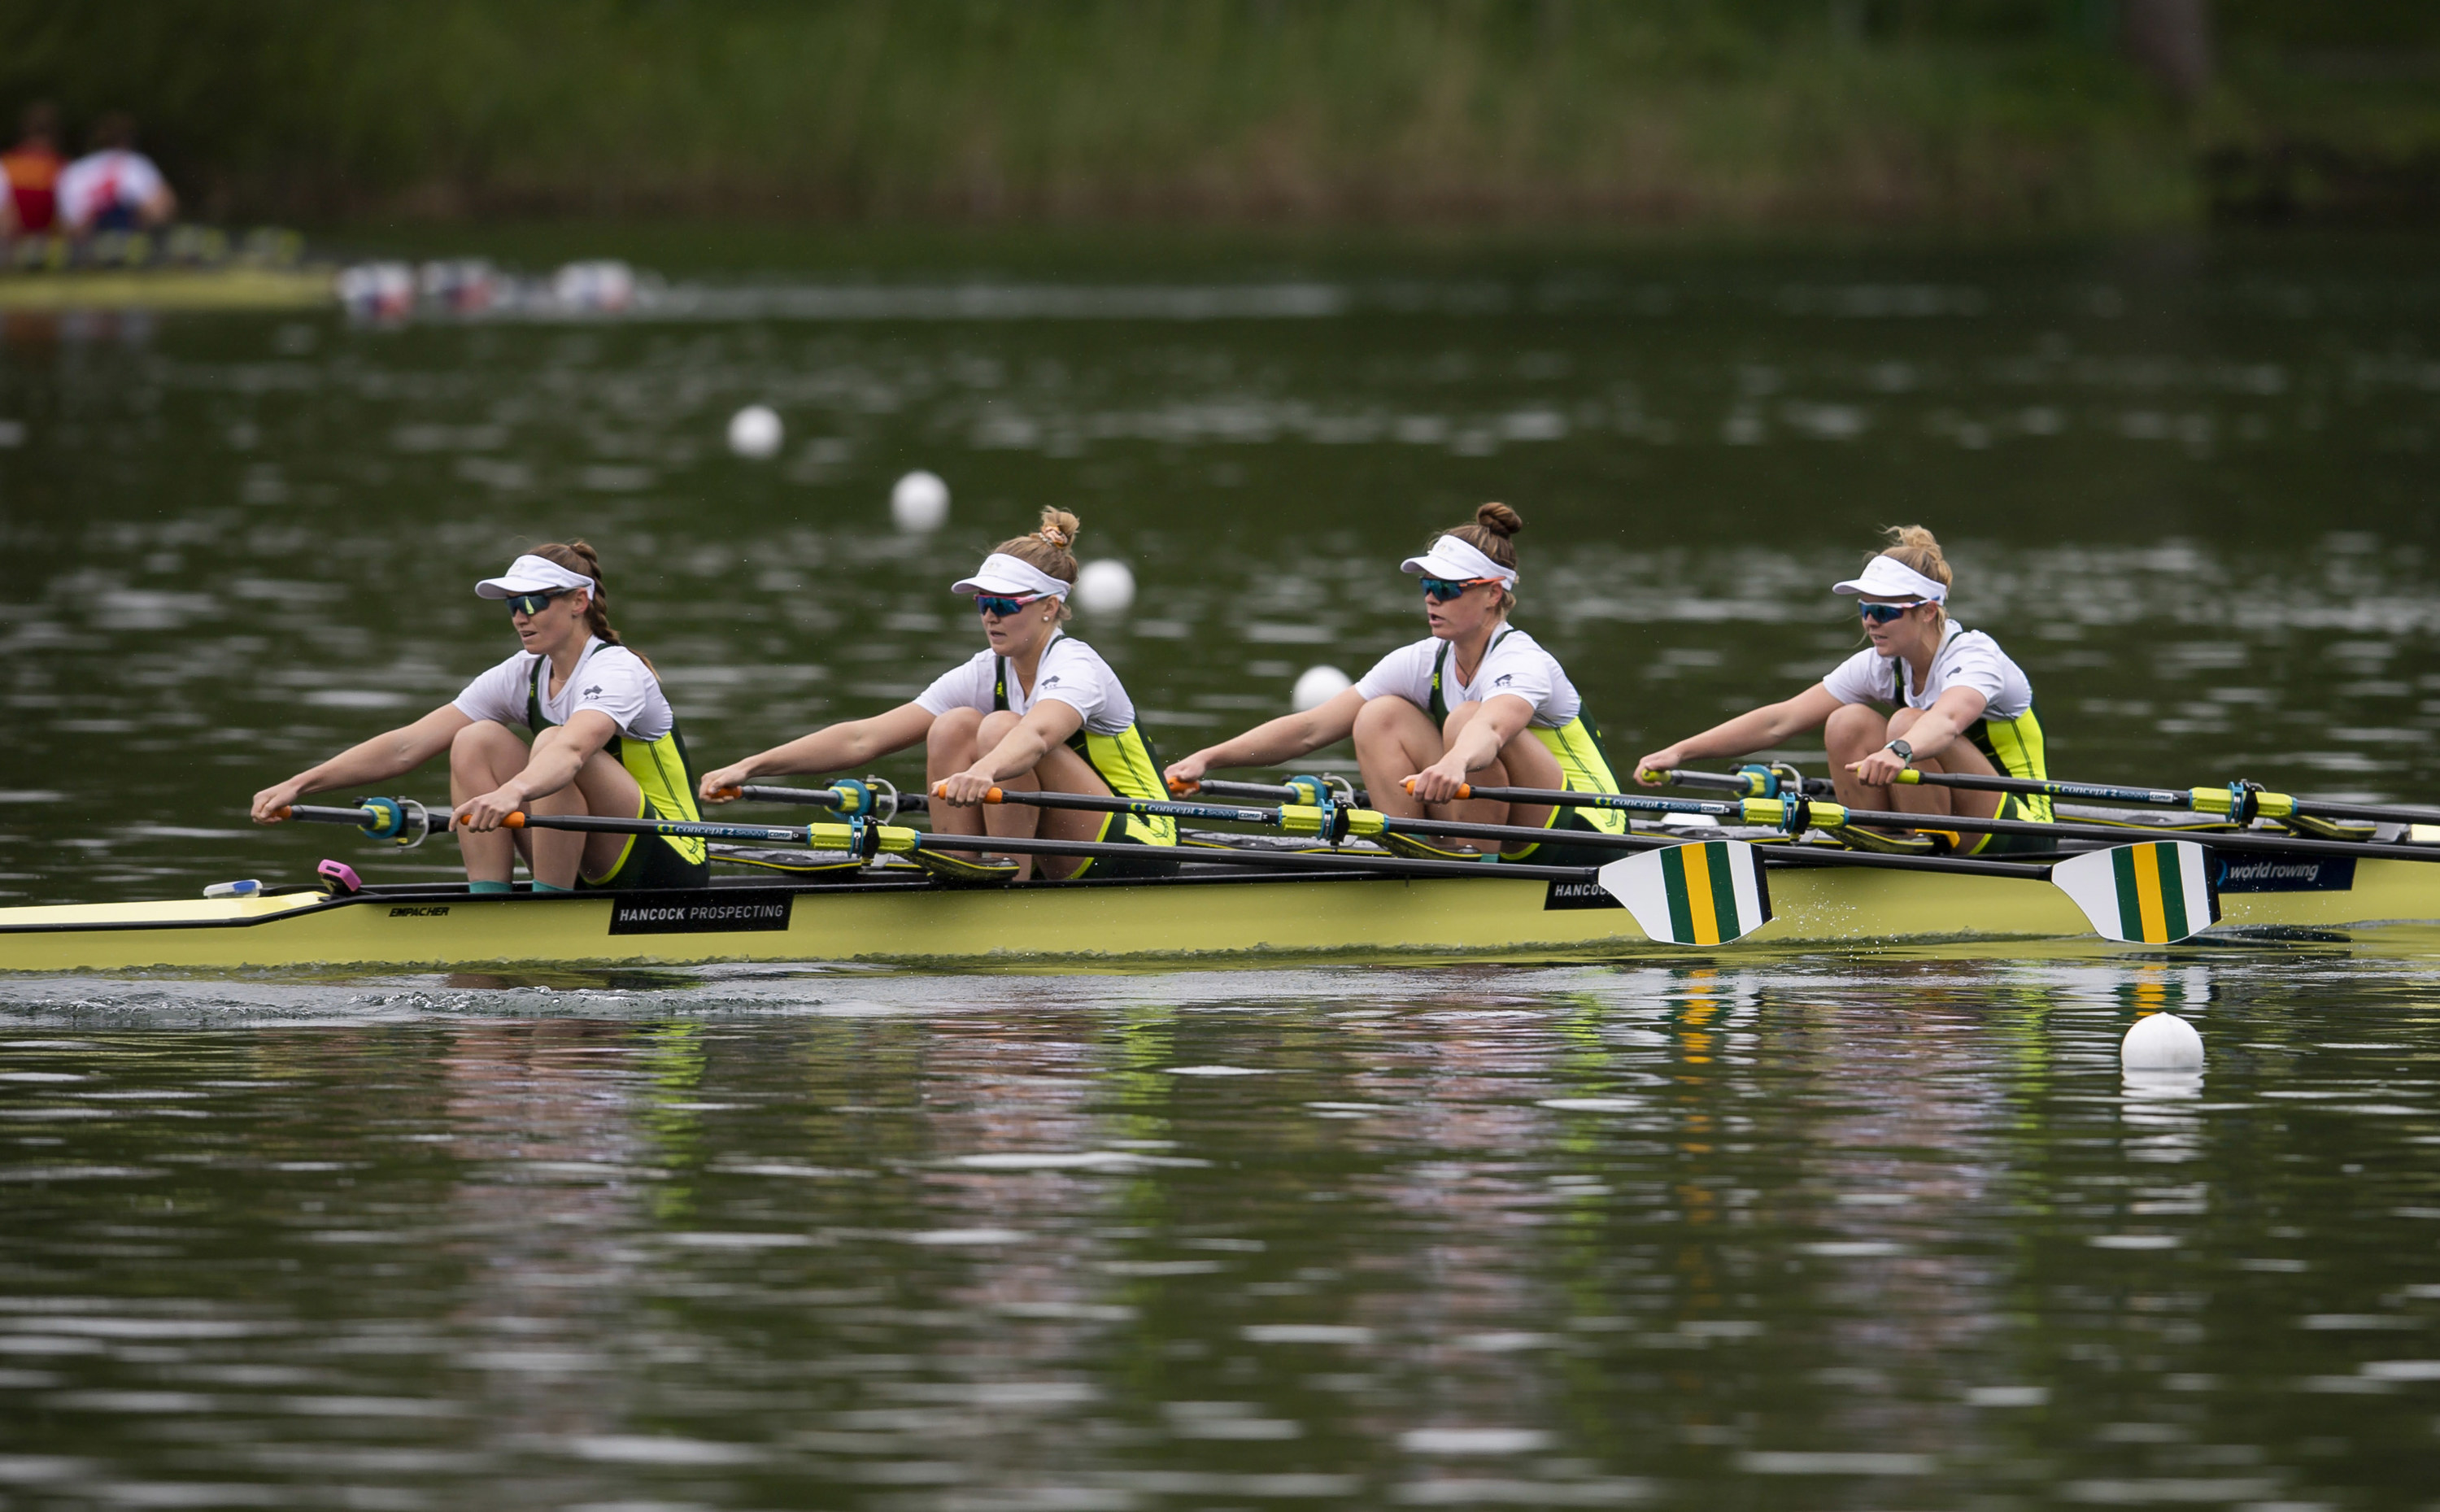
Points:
1959	704
1475	702
1037	711
606	742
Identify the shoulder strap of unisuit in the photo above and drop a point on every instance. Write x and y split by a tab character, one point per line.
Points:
1000	683
1440	660
535	723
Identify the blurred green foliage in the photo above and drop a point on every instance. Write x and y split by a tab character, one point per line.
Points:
1745	112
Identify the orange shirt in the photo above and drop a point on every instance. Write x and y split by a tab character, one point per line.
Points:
33	175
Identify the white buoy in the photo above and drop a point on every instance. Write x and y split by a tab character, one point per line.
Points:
920	502
2162	1042
1104	587
756	432
1318	686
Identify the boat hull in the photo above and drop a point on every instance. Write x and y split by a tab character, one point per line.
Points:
1195	919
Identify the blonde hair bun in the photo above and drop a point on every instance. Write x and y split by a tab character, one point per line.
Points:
1500	520
1915	546
1059	528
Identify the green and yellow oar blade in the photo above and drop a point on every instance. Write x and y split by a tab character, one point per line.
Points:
1702	894
2153	894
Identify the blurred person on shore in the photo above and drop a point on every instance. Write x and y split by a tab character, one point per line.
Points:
30	206
113	188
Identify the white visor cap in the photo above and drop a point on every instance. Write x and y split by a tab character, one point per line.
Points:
534	574
1002	575
1459	559
1885	577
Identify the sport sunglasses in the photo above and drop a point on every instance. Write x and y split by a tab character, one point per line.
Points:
993	604
1447	589
531	603
1885	613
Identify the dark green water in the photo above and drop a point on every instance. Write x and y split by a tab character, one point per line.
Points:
1846	1233
1894	1235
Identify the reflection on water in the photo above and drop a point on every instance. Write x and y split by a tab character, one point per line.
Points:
2187	490
1889	1235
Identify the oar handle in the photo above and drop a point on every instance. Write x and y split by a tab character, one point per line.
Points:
1296	790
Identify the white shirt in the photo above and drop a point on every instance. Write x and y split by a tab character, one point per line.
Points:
1966	659
96	181
1514	664
1071	672
610	678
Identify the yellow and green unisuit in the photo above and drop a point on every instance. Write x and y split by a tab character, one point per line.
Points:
1125	762
1577	748
2013	746
666	776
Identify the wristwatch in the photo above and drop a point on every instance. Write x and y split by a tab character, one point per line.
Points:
1906	752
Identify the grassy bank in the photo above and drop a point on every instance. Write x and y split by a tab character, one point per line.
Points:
1983	113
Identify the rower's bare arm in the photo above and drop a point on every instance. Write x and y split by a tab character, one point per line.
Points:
1276	741
1020	751
1936	731
1477	746
559	753
389	754
1755	730
844	746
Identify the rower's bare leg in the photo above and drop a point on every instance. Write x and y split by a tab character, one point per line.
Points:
1961	756
1062	771
1394	740
1015	821
1524	762
1473	810
1853	733
602	786
484	755
948	749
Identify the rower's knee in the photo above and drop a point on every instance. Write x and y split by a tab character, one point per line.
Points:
478	750
1854	726
1463	715
1386	718
951	738
1903	721
994	729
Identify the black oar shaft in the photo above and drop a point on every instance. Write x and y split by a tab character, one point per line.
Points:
325	814
2271	805
1140	808
673	829
1490	871
2089	792
1770	810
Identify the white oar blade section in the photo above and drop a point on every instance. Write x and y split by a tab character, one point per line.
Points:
1706	892
2153	894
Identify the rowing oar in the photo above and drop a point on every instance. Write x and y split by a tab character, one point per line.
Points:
868	797
1797	814
1295	790
1702	892
2241	802
891	839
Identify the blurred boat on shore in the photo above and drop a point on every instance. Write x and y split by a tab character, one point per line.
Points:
188	267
